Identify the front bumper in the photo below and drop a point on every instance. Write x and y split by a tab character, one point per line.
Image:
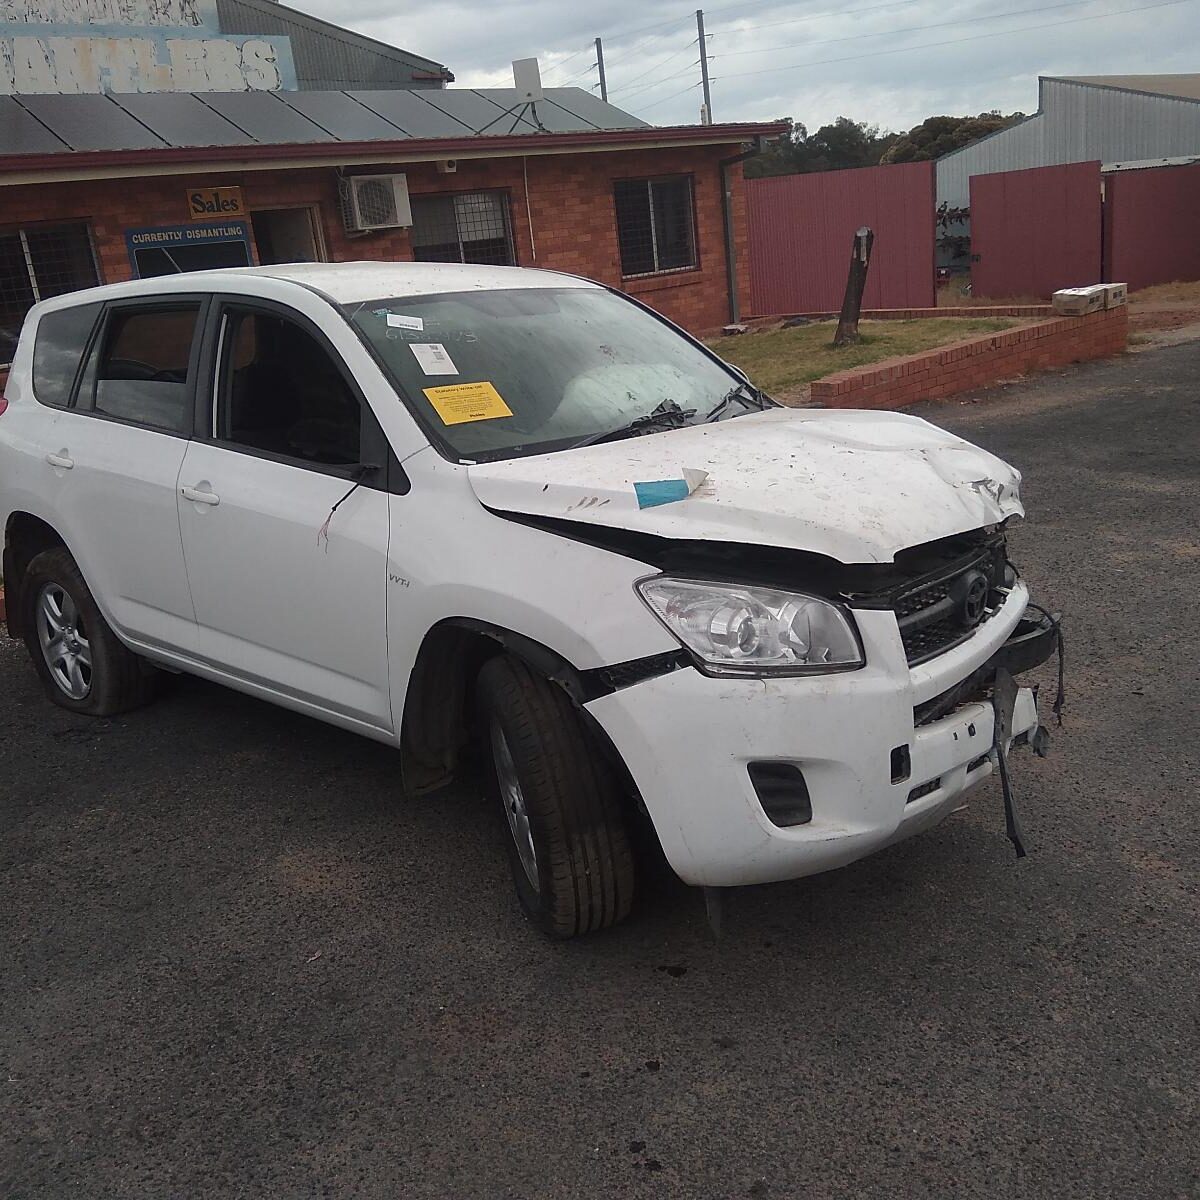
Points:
688	739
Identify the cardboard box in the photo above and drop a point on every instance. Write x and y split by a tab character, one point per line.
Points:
1078	302
1115	294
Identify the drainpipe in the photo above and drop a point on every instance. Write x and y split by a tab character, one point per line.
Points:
731	280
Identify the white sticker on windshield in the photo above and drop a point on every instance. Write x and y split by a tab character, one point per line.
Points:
433	358
397	321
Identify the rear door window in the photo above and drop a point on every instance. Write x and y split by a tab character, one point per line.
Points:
142	369
58	346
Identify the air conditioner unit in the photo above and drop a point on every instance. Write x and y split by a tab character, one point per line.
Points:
447	166
375	202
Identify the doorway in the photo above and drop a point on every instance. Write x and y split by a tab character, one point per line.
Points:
286	235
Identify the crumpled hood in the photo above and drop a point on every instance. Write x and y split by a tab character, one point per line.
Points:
855	486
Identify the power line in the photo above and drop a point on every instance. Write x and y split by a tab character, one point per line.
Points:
628	33
628	53
676	95
558	66
1021	12
567	82
818	16
657	66
953	41
657	83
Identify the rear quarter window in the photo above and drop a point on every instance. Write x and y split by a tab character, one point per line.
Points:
58	346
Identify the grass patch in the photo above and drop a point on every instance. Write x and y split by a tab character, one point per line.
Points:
1167	293
786	359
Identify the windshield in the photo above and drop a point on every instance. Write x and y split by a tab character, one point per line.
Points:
495	374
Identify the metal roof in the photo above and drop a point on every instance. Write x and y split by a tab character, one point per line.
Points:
61	124
1182	87
328	56
1101	117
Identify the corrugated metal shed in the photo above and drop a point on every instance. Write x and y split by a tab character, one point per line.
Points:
54	124
1106	117
1035	231
327	57
801	230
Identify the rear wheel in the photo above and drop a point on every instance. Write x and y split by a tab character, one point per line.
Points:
82	664
568	843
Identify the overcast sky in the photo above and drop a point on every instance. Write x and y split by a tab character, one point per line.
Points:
777	59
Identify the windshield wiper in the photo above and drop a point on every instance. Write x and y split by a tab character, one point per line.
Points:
744	392
667	415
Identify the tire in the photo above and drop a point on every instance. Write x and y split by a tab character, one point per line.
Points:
581	877
106	677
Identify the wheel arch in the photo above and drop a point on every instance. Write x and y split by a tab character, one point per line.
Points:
439	699
25	537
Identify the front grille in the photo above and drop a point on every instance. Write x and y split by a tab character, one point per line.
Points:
907	605
931	640
933	615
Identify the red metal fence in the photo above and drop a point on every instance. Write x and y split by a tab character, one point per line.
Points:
1035	231
1150	225
801	228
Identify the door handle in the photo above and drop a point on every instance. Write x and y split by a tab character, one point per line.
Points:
62	460
199	497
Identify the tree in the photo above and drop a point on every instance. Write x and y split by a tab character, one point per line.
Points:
835	147
936	136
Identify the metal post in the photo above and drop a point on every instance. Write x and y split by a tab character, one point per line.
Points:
600	67
704	65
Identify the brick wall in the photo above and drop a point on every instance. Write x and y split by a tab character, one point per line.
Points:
570	208
976	362
980	311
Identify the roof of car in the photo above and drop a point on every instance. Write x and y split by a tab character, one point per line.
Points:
347	282
350	281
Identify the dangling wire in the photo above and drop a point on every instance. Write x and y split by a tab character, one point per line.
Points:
361	475
1055	619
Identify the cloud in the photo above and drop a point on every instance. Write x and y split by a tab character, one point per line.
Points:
889	64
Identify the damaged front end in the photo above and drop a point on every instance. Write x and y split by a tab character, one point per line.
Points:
961	628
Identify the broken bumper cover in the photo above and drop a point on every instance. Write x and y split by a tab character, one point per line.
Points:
689	740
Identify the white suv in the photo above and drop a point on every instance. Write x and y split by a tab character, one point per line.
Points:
455	506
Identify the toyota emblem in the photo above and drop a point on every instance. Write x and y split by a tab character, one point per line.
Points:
970	594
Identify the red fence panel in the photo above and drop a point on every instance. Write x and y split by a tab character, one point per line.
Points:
1150	225
1035	231
802	227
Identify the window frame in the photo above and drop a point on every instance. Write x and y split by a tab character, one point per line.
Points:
505	195
373	442
689	179
21	231
163	301
84	354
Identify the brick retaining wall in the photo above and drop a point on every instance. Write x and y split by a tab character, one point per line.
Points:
980	311
975	362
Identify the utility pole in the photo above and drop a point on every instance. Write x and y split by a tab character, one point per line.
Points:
703	44
600	66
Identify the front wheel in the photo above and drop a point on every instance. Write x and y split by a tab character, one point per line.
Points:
570	851
82	664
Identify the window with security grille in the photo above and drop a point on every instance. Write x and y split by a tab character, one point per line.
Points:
468	227
656	226
37	262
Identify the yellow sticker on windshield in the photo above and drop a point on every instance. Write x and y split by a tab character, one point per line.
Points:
458	403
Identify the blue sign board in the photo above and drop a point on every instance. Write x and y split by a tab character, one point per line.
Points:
167	249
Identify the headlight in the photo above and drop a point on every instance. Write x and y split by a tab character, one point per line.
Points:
736	630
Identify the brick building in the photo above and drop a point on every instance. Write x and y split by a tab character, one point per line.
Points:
641	209
185	134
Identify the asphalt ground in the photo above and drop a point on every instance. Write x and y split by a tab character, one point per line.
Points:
235	962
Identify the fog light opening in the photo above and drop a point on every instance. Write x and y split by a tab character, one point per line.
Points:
782	792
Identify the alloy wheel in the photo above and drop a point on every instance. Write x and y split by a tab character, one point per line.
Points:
64	642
